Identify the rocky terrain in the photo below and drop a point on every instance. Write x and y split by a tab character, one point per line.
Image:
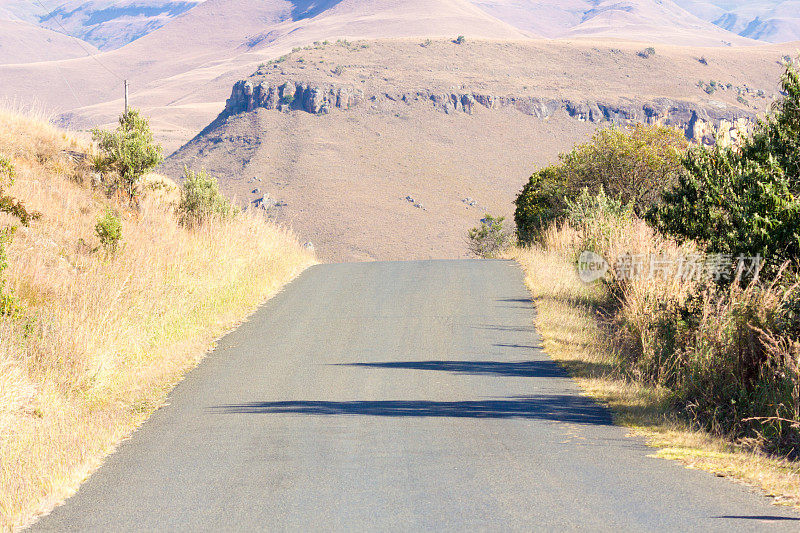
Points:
699	123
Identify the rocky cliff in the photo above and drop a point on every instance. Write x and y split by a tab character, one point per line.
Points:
700	123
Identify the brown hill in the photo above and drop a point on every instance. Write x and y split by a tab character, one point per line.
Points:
181	72
21	42
343	134
651	21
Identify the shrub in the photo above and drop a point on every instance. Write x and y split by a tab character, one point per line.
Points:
594	216
8	204
8	303
647	52
109	230
488	239
201	199
728	354
632	165
744	199
339	70
130	151
460	39
15	208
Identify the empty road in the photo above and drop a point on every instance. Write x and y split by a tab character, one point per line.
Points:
395	397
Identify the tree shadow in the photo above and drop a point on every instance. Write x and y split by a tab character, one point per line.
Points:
528	369
759	517
558	408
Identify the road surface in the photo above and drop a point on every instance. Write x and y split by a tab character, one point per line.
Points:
396	397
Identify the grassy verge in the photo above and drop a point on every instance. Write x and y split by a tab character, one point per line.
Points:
101	338
568	318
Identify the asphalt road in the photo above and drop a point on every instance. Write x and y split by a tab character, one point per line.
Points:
396	397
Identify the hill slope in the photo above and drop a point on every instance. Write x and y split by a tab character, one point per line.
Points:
21	42
444	124
163	65
99	339
767	20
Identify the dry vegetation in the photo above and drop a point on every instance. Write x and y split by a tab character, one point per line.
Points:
604	335
101	338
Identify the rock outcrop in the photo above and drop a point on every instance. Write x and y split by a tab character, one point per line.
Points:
701	123
247	96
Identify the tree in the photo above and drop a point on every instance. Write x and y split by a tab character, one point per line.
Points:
743	200
129	151
632	166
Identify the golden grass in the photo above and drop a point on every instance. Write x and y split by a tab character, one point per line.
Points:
567	319
102	339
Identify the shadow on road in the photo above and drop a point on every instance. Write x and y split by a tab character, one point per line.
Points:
539	369
760	517
559	408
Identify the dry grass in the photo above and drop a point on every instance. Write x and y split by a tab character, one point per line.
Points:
102	339
574	335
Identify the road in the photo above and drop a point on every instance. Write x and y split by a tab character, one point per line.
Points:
396	396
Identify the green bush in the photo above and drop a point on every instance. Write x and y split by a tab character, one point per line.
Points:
201	199
743	200
109	230
460	39
490	238
631	165
8	303
130	151
647	52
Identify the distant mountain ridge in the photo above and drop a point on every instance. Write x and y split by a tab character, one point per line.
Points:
766	20
111	24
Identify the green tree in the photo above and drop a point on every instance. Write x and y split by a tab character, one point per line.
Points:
743	199
130	151
632	166
201	199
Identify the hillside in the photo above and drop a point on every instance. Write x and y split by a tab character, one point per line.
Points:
163	65
766	20
21	42
451	126
110	24
645	20
90	341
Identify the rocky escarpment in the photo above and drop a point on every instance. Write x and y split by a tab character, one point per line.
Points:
701	123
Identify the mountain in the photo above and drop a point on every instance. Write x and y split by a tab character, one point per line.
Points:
766	20
106	24
393	148
110	24
657	21
184	53
181	73
651	20
21	42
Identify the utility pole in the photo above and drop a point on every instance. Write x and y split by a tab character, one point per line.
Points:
126	97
